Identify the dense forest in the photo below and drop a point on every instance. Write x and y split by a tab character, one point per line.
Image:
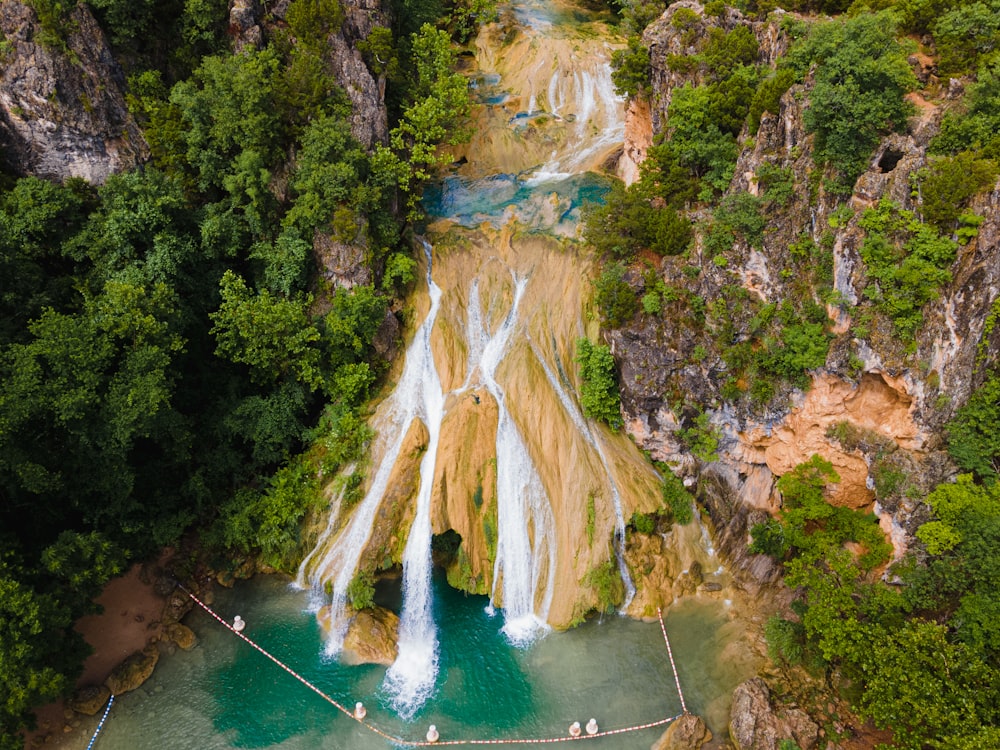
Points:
172	361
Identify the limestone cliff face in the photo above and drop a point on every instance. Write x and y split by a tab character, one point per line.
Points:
369	121
62	111
895	398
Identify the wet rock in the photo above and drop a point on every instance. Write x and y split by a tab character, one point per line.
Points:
134	671
182	635
372	637
90	699
689	732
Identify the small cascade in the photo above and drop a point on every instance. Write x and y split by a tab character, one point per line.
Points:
555	94
417	395
522	505
303	580
584	428
411	677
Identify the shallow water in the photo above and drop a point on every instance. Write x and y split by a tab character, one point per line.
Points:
223	694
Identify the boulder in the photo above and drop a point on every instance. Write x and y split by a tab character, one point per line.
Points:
90	699
687	733
178	605
755	724
752	723
182	635
134	671
371	637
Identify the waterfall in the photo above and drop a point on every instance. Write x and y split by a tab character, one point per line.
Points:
522	505
410	679
584	429
417	395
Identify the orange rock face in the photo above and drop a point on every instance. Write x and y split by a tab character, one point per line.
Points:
878	403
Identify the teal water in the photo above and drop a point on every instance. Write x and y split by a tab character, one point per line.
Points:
536	201
225	695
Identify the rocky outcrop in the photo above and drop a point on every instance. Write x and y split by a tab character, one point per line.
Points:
638	139
244	24
372	637
689	732
89	700
366	92
756	724
182	635
897	393
62	103
134	671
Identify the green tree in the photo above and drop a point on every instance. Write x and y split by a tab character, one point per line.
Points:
630	69
973	440
614	296
861	77
599	387
439	106
272	335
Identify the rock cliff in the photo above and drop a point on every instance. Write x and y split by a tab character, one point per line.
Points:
892	396
62	102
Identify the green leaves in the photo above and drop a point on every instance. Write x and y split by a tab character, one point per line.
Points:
861	76
599	388
271	334
907	260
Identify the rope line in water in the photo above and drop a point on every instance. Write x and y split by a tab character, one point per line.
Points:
426	743
100	724
670	653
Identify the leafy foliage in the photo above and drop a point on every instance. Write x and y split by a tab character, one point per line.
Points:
861	76
599	387
907	260
614	296
973	440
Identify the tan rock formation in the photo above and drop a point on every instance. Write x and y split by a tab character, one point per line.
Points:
638	139
90	699
395	514
182	635
878	403
465	483
372	637
689	732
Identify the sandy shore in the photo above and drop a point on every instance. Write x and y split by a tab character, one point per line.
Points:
130	621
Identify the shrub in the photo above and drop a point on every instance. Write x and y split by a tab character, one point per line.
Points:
614	297
630	69
947	185
861	78
599	389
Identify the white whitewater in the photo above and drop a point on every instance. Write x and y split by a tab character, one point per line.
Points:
410	679
583	428
417	395
523	507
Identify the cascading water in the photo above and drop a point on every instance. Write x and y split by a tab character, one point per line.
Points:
522	505
581	424
411	677
528	169
417	395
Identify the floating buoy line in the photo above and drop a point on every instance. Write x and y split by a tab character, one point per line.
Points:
100	724
359	713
